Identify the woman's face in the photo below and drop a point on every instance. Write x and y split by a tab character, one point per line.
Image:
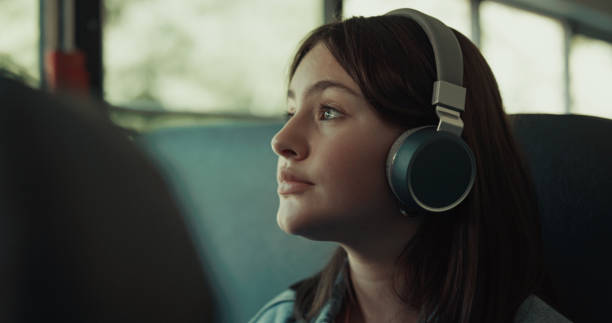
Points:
331	156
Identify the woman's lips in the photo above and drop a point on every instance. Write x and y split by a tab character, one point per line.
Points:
293	187
290	182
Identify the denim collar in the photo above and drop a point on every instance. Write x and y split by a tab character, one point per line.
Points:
332	308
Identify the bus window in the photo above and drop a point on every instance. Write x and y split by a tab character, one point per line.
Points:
590	68
527	59
454	13
19	42
196	56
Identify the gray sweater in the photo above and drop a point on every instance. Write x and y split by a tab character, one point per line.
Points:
280	310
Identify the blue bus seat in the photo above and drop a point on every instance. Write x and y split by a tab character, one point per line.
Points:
224	177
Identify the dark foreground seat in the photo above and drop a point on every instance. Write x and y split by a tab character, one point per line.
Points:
88	229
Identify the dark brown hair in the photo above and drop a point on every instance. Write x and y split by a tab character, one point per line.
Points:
479	261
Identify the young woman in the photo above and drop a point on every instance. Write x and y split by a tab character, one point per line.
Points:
354	87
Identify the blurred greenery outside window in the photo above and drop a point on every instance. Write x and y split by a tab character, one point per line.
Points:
455	13
590	70
527	59
19	39
203	56
232	57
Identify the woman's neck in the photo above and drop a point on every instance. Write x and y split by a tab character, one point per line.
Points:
375	297
371	269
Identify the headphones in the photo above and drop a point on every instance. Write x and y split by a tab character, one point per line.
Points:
432	168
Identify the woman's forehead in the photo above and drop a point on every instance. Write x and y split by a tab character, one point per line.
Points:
319	65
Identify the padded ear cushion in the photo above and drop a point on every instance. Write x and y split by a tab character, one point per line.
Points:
430	169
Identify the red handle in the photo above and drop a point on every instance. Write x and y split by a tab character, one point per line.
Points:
67	71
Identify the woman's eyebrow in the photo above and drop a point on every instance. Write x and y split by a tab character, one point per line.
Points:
322	85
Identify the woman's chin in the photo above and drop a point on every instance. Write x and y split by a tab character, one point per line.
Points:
291	222
309	226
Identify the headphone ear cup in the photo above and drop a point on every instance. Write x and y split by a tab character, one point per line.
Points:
430	169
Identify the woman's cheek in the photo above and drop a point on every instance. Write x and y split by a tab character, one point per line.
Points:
354	171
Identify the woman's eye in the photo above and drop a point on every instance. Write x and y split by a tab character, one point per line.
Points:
329	113
289	115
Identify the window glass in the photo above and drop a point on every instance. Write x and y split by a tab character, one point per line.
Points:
454	13
525	52
203	56
19	39
590	70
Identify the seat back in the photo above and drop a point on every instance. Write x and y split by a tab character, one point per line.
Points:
224	177
570	157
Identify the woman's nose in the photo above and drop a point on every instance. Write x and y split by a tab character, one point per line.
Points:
290	142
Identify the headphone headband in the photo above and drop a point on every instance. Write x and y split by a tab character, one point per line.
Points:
448	91
449	60
433	168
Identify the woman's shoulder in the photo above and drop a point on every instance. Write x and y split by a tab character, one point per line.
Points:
278	310
533	309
